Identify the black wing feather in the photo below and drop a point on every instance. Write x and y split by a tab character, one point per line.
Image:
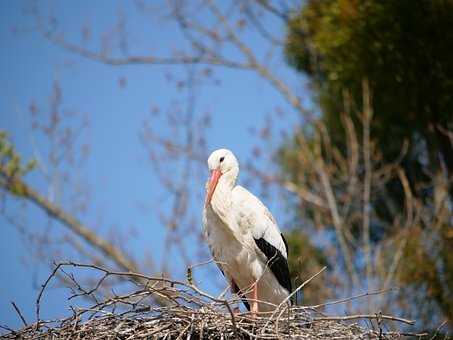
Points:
286	244
277	263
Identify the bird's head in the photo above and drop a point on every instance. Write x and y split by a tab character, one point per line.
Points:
221	163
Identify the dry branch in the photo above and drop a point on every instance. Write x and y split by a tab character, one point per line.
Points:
192	314
69	221
107	248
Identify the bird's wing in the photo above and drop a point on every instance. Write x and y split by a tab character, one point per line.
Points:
209	241
234	286
250	213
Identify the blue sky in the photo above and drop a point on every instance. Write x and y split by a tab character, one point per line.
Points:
117	171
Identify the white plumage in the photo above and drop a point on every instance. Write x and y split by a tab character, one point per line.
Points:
244	238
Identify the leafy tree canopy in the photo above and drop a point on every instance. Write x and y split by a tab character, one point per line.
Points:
404	48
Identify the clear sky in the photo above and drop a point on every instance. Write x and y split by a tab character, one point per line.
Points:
117	171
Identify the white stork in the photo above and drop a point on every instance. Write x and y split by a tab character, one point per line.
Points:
244	238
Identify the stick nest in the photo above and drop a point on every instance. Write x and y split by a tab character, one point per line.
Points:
189	313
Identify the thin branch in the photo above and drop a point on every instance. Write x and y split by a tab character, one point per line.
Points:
141	60
268	6
302	286
438	329
337	220
253	63
19	313
108	249
305	194
71	223
377	292
365	316
367	116
285	301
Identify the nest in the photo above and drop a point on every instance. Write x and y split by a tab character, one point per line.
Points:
190	313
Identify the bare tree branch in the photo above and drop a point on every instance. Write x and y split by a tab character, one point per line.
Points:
142	60
107	248
367	116
116	255
367	316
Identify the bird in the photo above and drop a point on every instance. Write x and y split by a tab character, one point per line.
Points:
244	238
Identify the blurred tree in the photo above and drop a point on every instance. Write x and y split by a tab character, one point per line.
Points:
305	258
404	49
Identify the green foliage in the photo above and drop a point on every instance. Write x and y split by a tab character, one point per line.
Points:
404	48
11	165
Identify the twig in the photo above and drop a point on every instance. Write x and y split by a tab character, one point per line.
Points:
438	329
302	286
377	292
38	299
337	220
74	225
20	314
294	292
365	316
367	116
130	316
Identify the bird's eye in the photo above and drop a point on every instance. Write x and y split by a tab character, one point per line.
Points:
221	159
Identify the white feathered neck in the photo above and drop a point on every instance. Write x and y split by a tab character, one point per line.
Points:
222	198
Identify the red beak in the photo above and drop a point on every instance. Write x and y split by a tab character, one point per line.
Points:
215	175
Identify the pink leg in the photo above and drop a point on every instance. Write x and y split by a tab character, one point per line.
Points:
254	307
